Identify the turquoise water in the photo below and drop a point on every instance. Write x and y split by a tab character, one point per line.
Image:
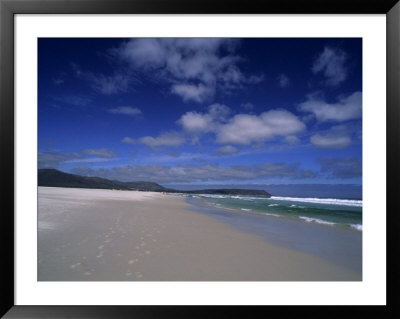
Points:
324	211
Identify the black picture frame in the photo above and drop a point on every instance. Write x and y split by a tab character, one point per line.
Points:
8	10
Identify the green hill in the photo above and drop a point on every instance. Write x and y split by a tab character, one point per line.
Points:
56	178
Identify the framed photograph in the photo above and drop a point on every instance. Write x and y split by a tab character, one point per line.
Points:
161	154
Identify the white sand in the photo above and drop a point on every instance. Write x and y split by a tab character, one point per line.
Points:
100	235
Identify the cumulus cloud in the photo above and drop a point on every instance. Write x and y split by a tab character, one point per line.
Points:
164	139
331	63
244	129
330	141
128	140
191	92
196	122
198	172
337	137
101	152
348	167
195	67
283	81
227	150
347	108
126	110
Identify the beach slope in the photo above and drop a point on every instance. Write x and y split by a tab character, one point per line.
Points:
110	235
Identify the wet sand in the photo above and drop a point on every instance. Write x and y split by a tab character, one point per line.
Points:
109	235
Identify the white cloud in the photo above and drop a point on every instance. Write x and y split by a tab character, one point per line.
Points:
126	110
348	167
330	141
292	140
195	67
106	84
54	159
128	140
102	152
331	63
283	81
197	93
337	137
90	160
247	106
244	129
219	111
194	122
347	108
164	139
76	100
110	84
227	150
143	52
198	172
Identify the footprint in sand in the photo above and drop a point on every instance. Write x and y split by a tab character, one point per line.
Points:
138	275
74	265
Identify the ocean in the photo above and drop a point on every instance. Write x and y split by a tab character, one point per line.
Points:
331	212
329	228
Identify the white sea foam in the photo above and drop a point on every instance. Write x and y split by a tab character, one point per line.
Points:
330	201
246	209
242	197
269	214
210	196
272	205
293	205
356	226
316	220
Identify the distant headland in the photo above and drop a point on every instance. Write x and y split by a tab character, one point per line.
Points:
56	178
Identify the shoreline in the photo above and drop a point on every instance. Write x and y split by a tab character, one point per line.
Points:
336	243
106	235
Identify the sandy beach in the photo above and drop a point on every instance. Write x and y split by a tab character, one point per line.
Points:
110	235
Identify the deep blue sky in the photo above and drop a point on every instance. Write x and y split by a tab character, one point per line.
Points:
223	111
